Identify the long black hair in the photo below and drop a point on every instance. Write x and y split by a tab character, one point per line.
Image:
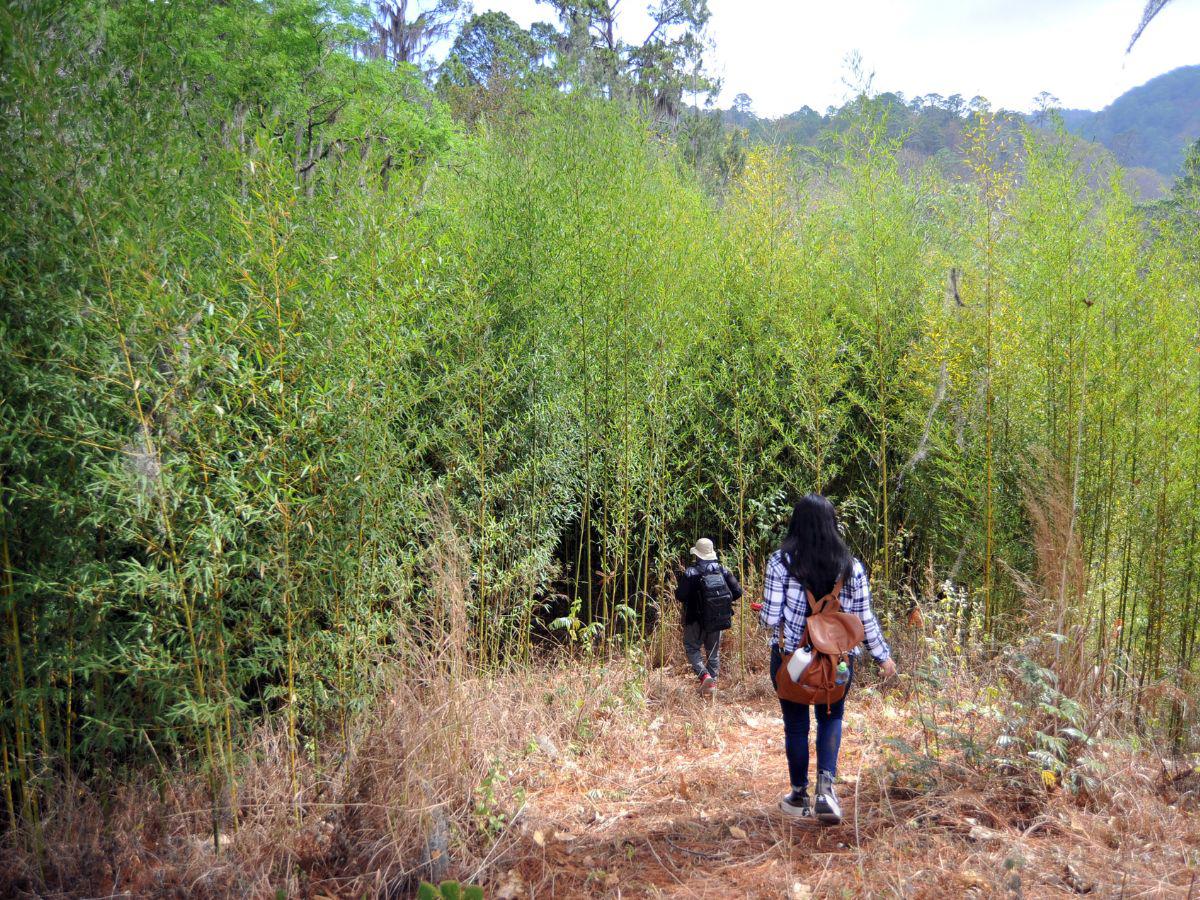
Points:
813	550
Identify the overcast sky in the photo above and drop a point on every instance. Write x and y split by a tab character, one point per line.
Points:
789	53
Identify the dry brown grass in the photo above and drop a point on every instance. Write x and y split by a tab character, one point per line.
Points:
686	808
607	781
401	803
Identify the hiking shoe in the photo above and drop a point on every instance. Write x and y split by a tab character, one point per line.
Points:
827	808
796	804
708	684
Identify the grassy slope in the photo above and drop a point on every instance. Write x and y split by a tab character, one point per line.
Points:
590	779
684	806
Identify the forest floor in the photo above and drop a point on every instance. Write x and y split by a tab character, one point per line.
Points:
600	778
685	805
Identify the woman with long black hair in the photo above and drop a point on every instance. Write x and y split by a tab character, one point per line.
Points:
814	557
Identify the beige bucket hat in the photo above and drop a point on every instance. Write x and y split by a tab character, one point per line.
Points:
704	550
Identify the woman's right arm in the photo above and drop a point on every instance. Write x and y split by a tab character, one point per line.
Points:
860	602
860	605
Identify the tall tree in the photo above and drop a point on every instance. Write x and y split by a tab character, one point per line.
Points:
658	71
397	37
492	46
670	61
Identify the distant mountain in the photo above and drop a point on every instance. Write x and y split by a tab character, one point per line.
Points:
1149	126
1147	129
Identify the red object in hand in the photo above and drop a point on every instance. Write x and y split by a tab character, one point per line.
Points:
757	607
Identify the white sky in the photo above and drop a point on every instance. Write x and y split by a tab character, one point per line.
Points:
789	53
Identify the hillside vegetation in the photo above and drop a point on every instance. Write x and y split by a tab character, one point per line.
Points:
1150	126
335	404
1147	130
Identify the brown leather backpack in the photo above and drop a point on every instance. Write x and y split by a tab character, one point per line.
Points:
833	634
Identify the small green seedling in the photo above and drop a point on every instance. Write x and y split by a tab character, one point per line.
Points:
449	890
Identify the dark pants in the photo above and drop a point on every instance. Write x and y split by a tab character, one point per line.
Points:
795	730
695	637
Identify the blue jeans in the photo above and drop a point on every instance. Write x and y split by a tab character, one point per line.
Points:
795	730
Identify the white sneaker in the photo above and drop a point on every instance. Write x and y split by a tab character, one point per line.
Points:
796	805
827	808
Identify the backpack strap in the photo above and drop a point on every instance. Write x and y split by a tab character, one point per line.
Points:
815	607
833	597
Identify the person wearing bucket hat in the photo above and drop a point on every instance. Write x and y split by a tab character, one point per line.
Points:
707	590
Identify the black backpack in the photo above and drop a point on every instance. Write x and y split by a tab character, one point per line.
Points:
716	600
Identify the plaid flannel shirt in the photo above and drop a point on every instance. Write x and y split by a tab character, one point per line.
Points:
784	601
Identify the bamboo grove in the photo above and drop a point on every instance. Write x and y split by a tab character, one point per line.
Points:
284	397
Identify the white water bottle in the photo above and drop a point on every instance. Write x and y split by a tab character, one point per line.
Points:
798	662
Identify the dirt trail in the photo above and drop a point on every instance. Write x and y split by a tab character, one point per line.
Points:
686	806
689	807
